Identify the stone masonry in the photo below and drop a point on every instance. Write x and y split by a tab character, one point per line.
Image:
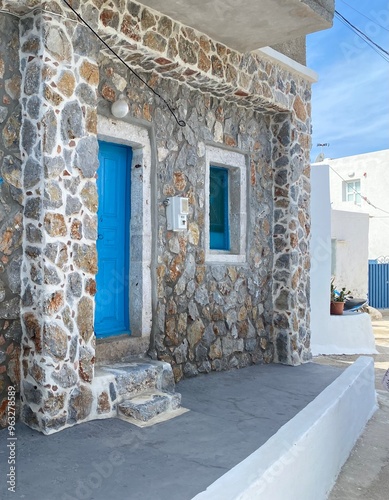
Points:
206	316
11	213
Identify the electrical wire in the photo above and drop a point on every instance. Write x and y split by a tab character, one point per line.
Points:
364	198
181	123
364	15
377	48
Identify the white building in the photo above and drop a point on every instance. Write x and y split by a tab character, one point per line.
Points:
361	184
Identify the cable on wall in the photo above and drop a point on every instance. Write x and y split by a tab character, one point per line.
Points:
181	123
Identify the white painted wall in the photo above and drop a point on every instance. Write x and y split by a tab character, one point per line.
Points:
372	170
351	232
320	253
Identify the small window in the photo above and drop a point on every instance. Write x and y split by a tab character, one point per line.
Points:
219	237
225	206
352	191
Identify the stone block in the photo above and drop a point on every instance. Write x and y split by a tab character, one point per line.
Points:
148	405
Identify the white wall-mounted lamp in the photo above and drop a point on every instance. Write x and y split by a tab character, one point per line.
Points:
119	108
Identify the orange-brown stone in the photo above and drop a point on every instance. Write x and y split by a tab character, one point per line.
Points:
66	83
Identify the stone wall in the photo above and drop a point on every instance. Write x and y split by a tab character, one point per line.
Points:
10	210
205	316
212	316
58	149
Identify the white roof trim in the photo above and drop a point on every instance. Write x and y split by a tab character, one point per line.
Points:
288	63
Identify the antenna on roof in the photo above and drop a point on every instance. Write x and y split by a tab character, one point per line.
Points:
321	156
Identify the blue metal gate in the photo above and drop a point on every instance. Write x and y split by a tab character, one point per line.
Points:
379	285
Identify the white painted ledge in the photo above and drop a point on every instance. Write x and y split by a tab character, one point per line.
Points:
302	460
351	333
288	63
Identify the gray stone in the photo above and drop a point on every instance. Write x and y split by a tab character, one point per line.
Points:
33	234
57	44
13	274
86	94
66	377
282	301
112	391
205	367
72	184
281	177
31	393
53	166
29	136
33	107
227	346
86	156
201	352
74	285
27	298
73	205
73	349
193	311
55	341
71	121
145	407
201	295
190	370
181	353
50	124
32	79
53	195
218	272
10	309
51	276
32	173
209	335
84	43
284	134
90	227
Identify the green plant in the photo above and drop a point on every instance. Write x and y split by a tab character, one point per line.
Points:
338	296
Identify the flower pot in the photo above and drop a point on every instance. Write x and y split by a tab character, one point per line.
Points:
337	308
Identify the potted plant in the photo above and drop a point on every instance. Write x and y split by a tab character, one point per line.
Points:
337	299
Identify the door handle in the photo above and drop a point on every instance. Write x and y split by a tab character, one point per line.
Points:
100	237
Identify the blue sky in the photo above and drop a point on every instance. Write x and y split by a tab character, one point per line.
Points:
350	102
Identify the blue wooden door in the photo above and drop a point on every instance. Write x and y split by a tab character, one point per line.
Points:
113	185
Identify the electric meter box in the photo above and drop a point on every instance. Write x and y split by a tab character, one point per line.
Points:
177	211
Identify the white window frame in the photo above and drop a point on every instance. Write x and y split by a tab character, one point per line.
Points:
354	191
137	137
237	205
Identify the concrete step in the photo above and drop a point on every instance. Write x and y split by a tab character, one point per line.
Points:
140	375
148	405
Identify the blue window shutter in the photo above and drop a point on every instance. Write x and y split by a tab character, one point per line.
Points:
218	209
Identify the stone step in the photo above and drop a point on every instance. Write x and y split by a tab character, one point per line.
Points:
140	375
149	405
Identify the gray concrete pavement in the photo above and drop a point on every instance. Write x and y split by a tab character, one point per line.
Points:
231	415
365	475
